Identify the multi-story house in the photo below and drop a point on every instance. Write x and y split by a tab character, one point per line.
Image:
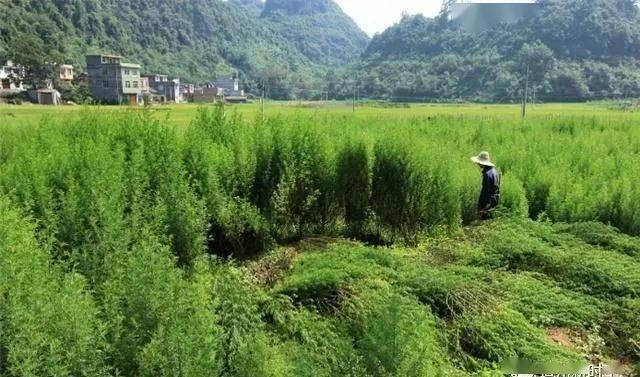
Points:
163	89
229	88
113	81
186	92
144	84
66	72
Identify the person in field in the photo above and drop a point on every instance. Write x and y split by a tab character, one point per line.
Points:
490	194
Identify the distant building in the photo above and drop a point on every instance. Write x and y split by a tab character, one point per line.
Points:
175	91
162	89
229	88
112	81
11	77
476	17
187	91
48	97
144	84
66	73
207	93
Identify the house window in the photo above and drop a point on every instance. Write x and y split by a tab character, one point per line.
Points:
105	84
127	84
135	84
126	71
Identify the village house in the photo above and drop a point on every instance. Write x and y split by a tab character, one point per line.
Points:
113	81
66	72
207	93
162	89
229	88
65	75
144	85
11	77
187	91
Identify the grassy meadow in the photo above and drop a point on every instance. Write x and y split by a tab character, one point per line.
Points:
191	241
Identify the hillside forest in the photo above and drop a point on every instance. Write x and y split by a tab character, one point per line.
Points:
572	50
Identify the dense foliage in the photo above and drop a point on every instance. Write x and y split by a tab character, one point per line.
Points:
572	50
110	225
195	40
590	49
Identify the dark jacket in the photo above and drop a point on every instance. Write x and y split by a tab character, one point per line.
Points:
490	194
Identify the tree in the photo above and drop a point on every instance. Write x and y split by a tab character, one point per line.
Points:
536	59
39	62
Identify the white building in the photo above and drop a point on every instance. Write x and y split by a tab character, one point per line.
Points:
11	77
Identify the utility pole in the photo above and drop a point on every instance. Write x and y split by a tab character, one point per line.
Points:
525	94
263	97
354	96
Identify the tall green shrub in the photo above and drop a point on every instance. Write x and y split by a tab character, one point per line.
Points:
354	185
399	190
49	322
157	322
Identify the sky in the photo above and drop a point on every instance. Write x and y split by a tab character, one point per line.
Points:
374	16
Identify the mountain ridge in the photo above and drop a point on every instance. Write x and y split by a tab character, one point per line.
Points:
196	40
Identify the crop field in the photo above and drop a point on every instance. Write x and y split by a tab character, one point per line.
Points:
317	241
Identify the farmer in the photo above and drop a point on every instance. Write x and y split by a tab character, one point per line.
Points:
490	194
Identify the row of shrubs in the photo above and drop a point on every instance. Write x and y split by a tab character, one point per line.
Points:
240	186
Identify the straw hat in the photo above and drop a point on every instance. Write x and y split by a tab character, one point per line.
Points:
483	159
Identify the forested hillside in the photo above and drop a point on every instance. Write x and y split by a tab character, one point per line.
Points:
575	50
318	28
195	40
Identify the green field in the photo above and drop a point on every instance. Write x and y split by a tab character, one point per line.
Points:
183	114
191	241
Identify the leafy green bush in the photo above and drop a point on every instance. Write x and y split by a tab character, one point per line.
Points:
399	191
546	304
496	336
156	321
186	341
513	198
599	234
49	322
305	197
441	288
315	345
395	335
239	230
319	279
354	185
531	246
621	329
244	344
